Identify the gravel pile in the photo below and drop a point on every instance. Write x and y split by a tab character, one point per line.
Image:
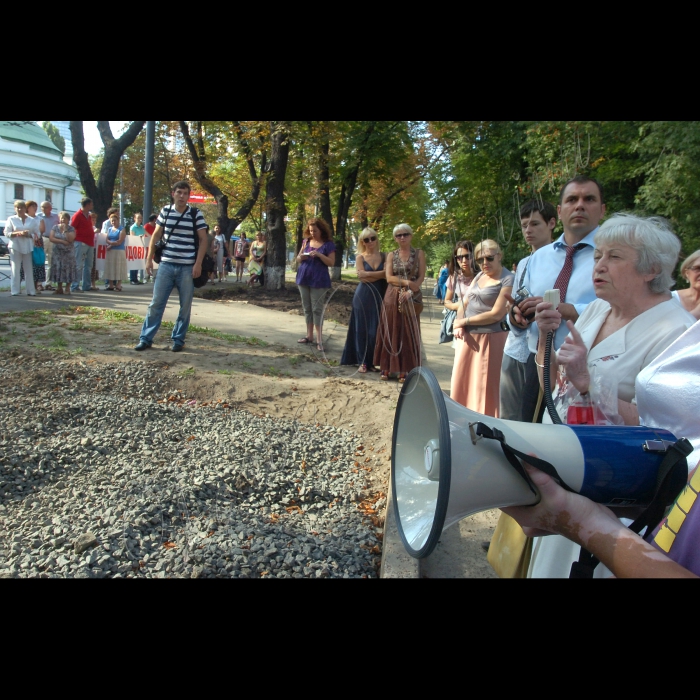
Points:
107	472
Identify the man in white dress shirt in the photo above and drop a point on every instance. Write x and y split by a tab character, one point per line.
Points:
581	209
20	229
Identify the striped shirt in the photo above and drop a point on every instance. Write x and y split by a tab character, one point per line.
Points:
179	233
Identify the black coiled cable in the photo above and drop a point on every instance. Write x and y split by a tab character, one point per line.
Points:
549	401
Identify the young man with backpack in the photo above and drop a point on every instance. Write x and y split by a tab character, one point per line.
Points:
184	232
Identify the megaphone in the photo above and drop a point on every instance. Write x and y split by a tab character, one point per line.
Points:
449	462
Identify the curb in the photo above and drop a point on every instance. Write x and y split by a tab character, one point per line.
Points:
396	562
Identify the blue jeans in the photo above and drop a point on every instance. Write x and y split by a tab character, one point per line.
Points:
84	254
170	276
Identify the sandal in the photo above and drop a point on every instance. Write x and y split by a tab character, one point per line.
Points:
109	289
319	347
118	289
384	376
305	341
58	291
362	369
402	377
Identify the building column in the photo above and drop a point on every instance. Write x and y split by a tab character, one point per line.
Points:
3	200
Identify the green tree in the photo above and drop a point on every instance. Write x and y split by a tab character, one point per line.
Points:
55	136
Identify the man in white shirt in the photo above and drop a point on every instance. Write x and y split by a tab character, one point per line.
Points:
20	230
519	388
581	209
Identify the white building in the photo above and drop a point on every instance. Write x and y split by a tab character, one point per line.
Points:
31	167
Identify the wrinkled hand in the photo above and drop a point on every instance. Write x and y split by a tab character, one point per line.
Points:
573	355
547	317
558	512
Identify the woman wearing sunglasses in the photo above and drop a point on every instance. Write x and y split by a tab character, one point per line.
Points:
461	275
366	304
478	334
690	298
398	342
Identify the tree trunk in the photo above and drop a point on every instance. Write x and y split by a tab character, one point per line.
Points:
275	207
102	191
324	186
341	231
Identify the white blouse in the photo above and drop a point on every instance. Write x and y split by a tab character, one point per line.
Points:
21	244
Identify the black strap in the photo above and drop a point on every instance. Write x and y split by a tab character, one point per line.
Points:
512	456
172	228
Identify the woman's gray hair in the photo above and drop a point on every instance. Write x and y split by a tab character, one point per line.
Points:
402	228
657	246
688	262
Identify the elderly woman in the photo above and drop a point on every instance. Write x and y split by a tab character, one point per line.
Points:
115	259
398	343
366	304
63	268
690	298
667	398
21	229
315	257
631	322
478	334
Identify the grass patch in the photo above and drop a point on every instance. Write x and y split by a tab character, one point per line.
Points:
189	372
229	337
226	372
295	360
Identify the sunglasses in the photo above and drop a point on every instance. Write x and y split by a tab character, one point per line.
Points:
402	235
488	258
370	239
463	257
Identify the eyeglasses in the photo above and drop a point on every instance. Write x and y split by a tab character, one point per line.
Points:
402	235
370	240
695	268
488	258
463	257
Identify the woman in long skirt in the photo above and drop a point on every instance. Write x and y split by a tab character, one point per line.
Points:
366	304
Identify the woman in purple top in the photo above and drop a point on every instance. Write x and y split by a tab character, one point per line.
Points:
316	256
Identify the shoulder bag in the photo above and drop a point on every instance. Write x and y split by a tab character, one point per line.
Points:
161	245
448	318
416	301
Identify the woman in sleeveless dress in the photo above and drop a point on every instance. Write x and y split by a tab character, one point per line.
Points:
478	334
398	341
366	304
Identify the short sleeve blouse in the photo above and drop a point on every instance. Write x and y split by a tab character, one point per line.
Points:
314	272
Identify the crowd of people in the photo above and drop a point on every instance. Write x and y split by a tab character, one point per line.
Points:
619	336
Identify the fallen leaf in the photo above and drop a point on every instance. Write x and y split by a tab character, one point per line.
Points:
169	545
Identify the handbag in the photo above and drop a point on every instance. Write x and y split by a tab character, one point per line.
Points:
446	332
417	297
511	550
38	256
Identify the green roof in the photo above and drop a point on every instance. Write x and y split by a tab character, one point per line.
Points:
30	133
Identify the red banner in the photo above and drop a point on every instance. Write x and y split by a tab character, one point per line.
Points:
199	198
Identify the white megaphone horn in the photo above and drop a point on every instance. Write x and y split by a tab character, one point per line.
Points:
449	462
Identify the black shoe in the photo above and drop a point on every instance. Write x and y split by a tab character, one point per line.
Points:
177	348
142	346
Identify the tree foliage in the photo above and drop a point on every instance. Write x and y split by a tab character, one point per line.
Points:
55	136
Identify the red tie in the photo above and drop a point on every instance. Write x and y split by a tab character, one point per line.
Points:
562	283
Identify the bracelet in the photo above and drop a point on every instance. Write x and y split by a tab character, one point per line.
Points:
538	364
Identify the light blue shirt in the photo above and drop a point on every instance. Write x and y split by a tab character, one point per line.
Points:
516	345
542	272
